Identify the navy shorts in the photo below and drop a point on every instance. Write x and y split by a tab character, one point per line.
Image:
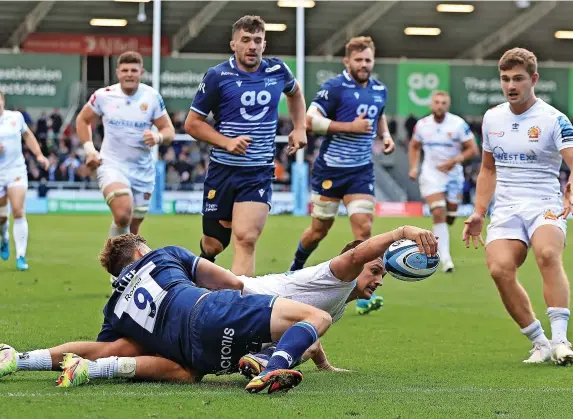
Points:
225	326
336	182
225	185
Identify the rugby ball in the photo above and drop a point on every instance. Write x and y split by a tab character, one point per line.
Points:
404	261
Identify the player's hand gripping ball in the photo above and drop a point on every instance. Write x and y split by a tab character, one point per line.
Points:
404	261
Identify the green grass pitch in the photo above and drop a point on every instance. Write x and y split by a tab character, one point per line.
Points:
440	348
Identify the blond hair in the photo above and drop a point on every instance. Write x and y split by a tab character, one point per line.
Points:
359	43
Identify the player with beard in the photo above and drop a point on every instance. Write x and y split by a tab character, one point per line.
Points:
349	111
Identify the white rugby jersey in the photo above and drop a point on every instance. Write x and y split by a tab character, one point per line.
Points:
315	285
124	119
526	150
442	141
12	126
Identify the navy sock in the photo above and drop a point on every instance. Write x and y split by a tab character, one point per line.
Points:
292	346
301	256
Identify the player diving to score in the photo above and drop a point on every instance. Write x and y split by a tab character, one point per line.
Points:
525	141
125	166
243	93
447	142
357	271
349	110
14	180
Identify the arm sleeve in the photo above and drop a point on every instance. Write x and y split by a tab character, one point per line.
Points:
465	132
159	108
187	259
416	133
485	139
290	80
326	99
563	133
207	96
23	126
95	102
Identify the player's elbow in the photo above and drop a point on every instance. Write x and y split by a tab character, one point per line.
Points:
192	126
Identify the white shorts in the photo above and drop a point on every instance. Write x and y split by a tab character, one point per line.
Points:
13	178
140	191
520	221
437	182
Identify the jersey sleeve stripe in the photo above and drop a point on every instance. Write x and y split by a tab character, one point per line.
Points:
319	107
193	108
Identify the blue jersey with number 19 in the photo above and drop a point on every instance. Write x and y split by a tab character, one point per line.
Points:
342	99
153	301
245	104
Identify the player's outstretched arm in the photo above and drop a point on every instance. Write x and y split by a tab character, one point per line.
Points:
197	128
32	144
347	267
318	356
485	189
211	276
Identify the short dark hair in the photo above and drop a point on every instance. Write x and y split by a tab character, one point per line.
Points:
249	23
130	57
359	43
350	246
118	252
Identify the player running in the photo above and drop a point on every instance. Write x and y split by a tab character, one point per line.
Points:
349	110
125	166
356	272
447	141
14	180
243	93
524	142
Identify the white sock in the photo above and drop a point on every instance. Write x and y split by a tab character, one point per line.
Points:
559	318
39	360
441	231
117	231
20	230
535	333
4	232
103	367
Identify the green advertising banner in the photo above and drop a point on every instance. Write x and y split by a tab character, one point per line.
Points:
92	206
475	89
318	72
38	80
416	83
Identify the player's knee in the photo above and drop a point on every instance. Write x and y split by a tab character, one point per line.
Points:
216	237
246	239
548	256
502	272
321	320
122	217
18	212
324	210
210	247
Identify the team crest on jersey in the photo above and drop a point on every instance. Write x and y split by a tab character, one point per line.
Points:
533	133
146	196
211	194
550	215
327	184
143	107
